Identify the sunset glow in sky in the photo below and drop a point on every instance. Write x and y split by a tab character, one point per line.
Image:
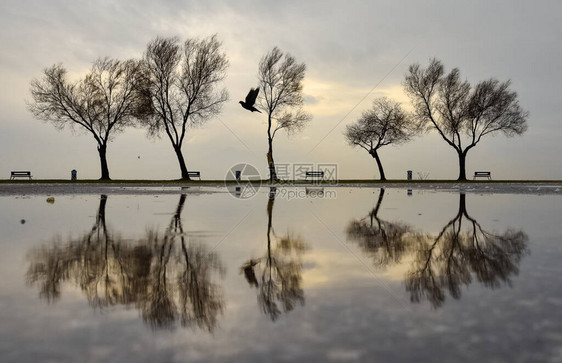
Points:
354	51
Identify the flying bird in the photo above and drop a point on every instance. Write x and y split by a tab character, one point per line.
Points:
251	100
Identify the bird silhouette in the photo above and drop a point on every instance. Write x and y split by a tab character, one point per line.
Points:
251	100
249	273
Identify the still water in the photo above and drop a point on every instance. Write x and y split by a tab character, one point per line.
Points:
286	275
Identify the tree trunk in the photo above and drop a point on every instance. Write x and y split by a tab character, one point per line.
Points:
102	151
176	221
270	201
379	202
375	211
183	168
379	164
462	166
100	218
179	209
462	204
271	162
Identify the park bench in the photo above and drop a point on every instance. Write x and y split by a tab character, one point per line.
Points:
20	174
482	174
194	174
314	174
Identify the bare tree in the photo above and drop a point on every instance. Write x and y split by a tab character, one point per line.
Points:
457	255
461	253
103	103
387	242
460	113
169	278
280	281
280	80
384	124
182	85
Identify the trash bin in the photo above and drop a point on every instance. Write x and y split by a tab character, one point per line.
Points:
409	175
73	174
238	174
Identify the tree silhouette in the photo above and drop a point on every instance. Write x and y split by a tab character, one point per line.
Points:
280	276
449	260
386	242
169	279
460	113
280	83
88	261
182	83
103	103
385	123
444	262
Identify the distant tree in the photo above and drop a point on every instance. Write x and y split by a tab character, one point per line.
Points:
182	86
383	124
456	109
103	103
280	82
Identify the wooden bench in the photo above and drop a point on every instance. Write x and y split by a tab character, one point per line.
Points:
194	174
20	174
314	174
482	174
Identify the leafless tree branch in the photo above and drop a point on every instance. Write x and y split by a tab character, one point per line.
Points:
460	113
104	102
182	82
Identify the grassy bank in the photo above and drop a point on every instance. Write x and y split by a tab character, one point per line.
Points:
286	182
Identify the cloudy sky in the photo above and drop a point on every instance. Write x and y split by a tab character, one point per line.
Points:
354	51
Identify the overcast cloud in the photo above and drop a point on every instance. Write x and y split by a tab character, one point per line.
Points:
349	48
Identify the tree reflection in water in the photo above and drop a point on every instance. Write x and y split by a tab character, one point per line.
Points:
447	261
386	242
279	270
168	278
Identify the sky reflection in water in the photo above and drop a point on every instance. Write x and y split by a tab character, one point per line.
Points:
370	274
